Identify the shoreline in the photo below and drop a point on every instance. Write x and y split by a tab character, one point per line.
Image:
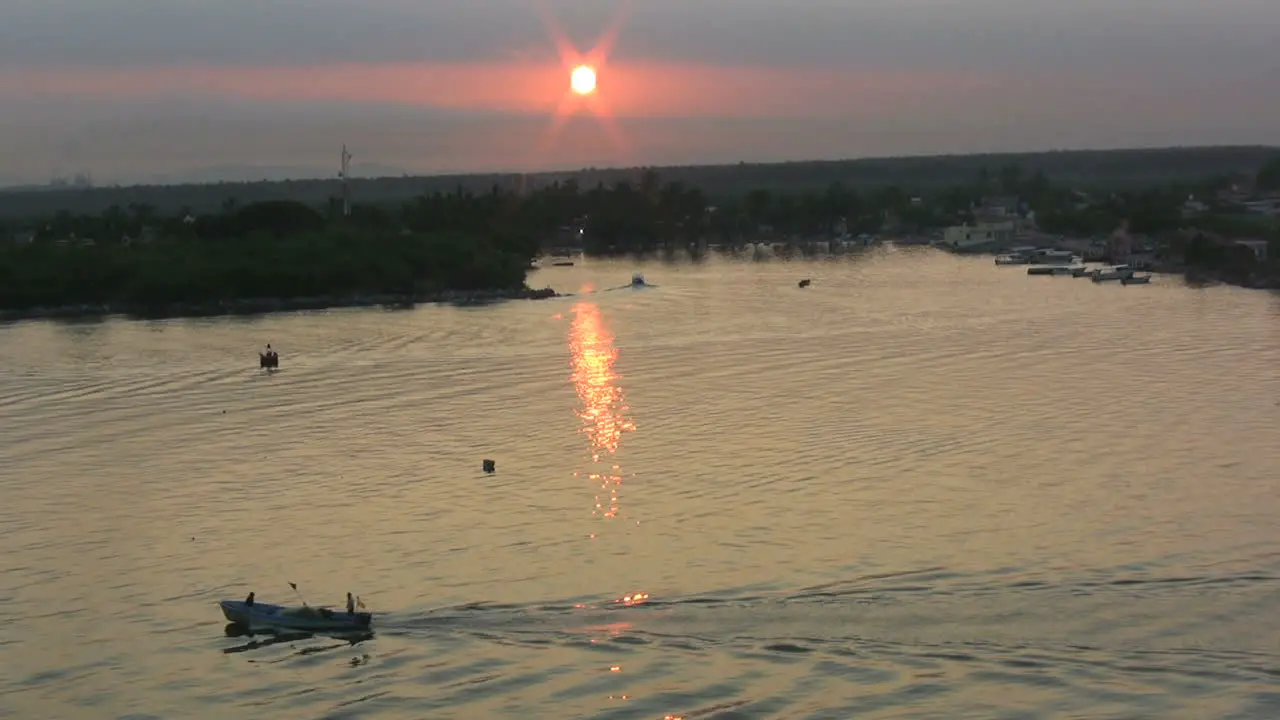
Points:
1192	275
264	306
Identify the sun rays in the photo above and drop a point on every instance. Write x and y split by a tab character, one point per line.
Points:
586	77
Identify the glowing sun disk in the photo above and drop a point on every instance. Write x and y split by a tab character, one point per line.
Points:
582	80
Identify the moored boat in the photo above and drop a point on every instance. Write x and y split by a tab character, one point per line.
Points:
1050	270
1118	272
1011	259
258	614
1047	256
1135	280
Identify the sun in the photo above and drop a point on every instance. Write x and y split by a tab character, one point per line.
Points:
583	80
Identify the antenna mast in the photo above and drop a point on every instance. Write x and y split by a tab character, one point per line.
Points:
346	187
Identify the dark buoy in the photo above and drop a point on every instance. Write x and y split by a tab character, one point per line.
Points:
489	466
804	283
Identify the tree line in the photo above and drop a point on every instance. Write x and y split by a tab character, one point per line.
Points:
1090	170
466	240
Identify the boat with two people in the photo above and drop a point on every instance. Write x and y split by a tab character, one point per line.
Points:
252	614
269	359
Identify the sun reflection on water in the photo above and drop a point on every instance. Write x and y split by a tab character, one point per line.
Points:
603	411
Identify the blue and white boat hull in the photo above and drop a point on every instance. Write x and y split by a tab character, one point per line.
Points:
294	618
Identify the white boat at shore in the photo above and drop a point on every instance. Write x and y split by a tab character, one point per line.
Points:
1012	259
1118	272
1053	257
1051	270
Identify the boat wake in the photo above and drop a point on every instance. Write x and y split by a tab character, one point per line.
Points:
629	286
1059	637
928	602
266	637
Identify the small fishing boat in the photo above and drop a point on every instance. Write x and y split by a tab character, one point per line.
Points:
1135	280
257	614
637	280
1050	270
1118	272
1047	256
269	359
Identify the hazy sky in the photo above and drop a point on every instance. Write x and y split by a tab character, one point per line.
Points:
128	89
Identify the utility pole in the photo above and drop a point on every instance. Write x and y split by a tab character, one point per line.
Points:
346	186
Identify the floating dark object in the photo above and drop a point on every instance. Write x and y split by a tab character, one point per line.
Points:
563	263
269	359
489	466
805	283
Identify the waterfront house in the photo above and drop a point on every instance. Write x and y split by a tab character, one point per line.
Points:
979	235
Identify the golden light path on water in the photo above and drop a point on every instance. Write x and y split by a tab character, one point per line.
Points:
604	410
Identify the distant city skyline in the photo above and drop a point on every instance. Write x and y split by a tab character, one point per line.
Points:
130	92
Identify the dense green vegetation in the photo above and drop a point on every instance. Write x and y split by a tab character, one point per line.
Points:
139	256
142	261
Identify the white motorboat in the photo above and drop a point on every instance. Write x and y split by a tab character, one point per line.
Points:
1051	270
1119	272
1053	257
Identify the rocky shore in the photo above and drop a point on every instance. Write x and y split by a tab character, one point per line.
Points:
257	306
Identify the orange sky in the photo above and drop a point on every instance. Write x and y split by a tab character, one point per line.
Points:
442	117
128	88
626	90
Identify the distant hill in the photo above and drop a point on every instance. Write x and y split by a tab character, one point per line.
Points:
1094	169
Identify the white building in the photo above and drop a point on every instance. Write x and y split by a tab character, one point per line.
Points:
960	237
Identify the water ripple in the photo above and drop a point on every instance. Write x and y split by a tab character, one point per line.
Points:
922	487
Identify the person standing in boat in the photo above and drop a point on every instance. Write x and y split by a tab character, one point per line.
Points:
351	604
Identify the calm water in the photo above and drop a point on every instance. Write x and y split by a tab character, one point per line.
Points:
923	487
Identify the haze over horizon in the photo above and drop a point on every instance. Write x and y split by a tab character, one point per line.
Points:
131	91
